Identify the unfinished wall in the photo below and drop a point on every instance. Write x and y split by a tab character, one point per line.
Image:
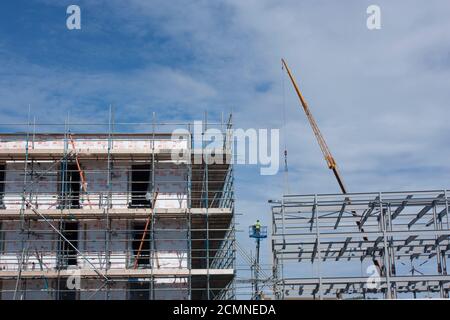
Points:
94	142
170	240
36	289
92	243
40	246
101	245
172	290
89	288
47	289
171	243
170	181
44	191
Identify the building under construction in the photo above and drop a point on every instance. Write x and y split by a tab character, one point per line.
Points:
110	215
359	245
362	245
125	212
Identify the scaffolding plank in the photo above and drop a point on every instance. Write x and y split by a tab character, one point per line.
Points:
114	273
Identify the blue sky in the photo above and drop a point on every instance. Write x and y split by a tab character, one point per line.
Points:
380	97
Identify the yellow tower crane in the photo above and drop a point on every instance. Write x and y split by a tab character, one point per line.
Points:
326	152
320	139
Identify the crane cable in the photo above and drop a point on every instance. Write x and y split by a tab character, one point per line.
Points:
286	188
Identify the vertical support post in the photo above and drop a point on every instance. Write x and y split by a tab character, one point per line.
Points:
22	210
283	227
63	203
189	212
258	244
108	202
386	251
319	252
232	203
152	247
444	256
189	253
227	195
391	250
438	250
32	162
274	259
205	155
447	210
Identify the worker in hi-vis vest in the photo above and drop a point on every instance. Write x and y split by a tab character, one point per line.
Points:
257	227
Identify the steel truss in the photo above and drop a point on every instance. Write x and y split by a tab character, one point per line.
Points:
328	245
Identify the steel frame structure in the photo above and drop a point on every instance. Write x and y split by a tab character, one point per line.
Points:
207	220
361	245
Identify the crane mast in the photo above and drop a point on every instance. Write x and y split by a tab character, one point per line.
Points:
320	139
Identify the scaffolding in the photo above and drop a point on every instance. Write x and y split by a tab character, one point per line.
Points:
73	206
361	245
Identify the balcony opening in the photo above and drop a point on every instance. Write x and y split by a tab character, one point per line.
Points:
139	290
64	293
141	187
68	253
71	186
